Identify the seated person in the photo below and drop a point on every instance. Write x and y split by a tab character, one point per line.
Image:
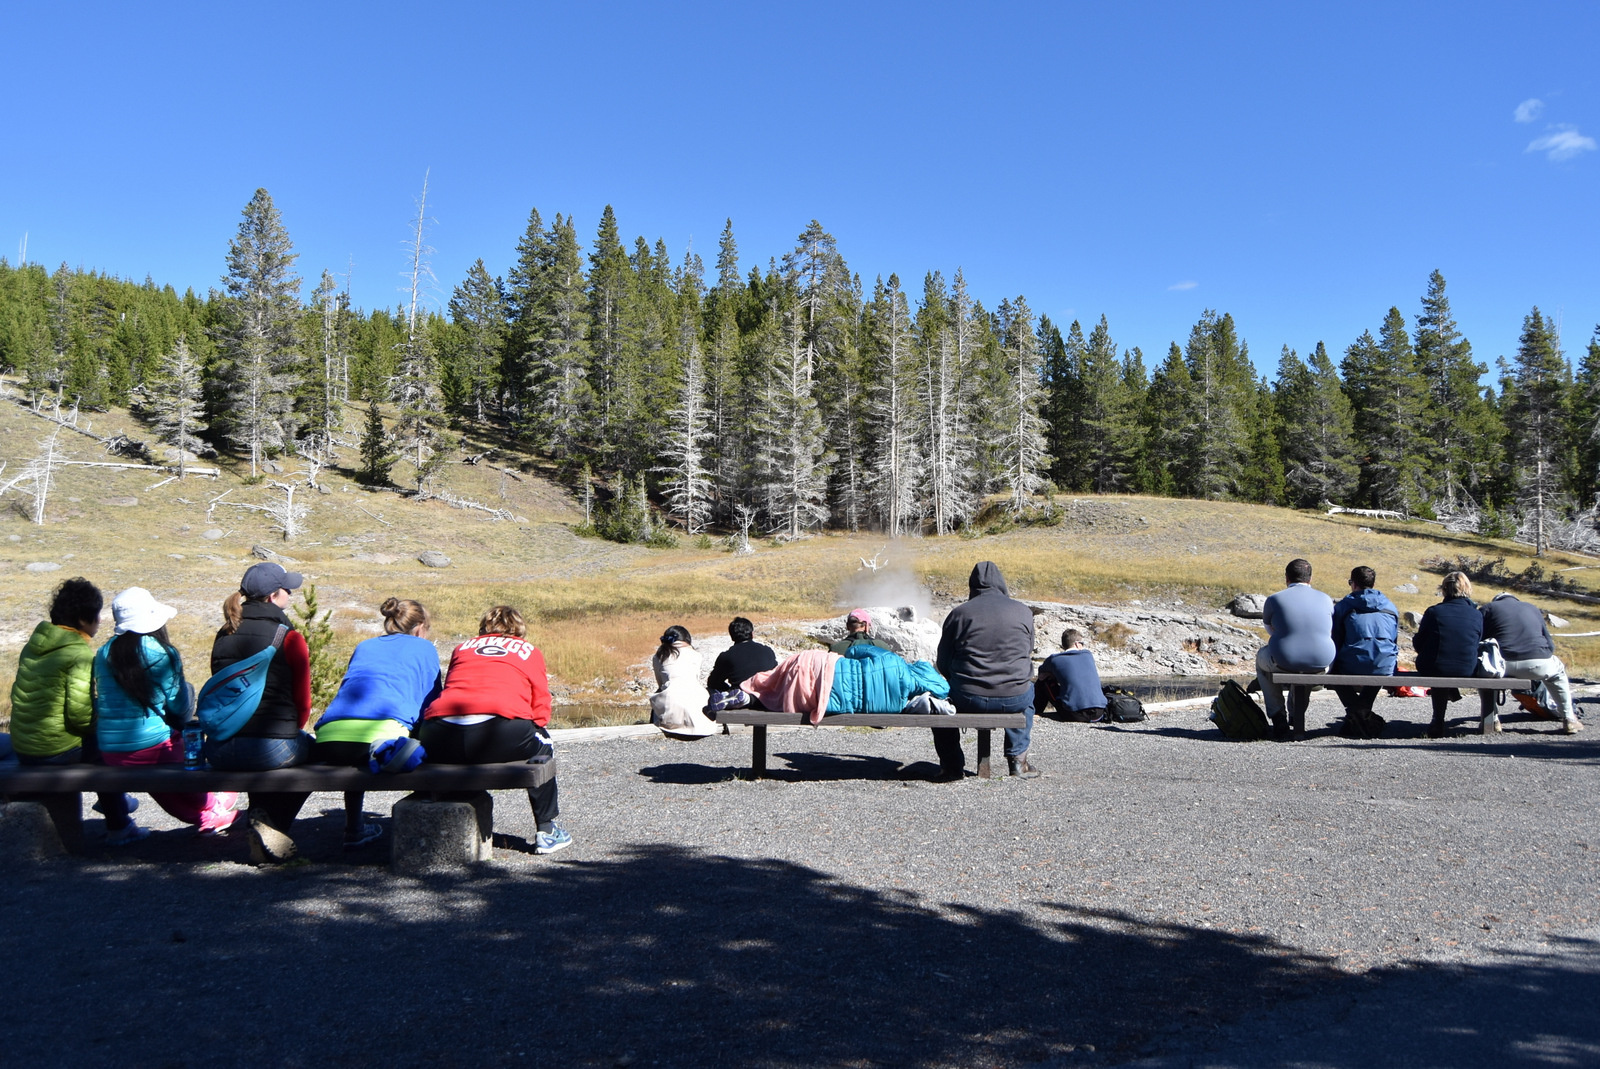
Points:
1070	681
1366	629
1530	653
389	681
677	707
1299	620
742	660
1447	643
857	630
820	683
494	708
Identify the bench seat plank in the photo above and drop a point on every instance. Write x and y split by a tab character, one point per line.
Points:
51	779
879	720
1403	680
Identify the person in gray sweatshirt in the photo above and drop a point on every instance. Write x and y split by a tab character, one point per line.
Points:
986	652
1300	620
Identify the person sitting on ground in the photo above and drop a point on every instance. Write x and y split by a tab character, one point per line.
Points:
274	736
1530	653
986	652
1070	681
742	660
52	712
494	707
1366	630
857	630
389	681
1299	620
678	705
141	703
818	683
1447	643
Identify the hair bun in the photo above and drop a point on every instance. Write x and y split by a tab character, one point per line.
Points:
668	639
390	608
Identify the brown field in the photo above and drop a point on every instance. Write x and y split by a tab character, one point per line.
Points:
596	608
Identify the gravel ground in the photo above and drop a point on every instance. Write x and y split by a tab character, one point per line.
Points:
1161	897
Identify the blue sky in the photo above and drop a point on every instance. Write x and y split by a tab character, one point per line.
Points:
1301	168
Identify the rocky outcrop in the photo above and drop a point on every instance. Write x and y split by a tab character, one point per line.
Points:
1248	606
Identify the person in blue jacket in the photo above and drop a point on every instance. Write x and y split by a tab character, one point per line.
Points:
1071	682
1447	643
1366	630
388	683
870	679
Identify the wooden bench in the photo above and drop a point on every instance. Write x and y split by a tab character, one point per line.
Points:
61	787
760	720
1300	685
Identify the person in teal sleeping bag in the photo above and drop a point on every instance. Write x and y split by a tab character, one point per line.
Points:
868	679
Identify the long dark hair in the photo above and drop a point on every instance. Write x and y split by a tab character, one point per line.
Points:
129	668
673	634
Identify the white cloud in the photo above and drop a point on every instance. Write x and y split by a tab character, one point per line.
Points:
1528	110
1185	285
1563	144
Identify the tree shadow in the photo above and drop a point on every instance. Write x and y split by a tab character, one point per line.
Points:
672	957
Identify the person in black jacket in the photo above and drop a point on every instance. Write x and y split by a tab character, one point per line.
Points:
273	737
1447	643
742	660
986	652
1530	653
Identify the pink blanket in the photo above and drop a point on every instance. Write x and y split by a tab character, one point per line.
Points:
800	684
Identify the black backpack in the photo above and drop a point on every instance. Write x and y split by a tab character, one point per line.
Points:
1237	715
1123	707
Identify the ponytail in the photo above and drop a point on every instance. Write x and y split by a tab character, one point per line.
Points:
233	612
670	640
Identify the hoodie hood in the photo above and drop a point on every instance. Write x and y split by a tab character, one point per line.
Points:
1370	599
49	637
986	578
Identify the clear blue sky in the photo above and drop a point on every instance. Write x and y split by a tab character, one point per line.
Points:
1303	170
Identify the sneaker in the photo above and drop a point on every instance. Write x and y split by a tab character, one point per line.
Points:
1491	724
268	845
367	833
949	775
728	699
133	805
1021	768
219	816
549	842
1572	725
130	834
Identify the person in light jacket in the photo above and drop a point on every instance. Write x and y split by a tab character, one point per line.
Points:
678	705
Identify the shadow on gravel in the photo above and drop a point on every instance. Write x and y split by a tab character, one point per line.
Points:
676	958
806	766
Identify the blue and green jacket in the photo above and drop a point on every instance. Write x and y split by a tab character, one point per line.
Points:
868	679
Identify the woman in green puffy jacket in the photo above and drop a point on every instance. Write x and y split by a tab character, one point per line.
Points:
52	709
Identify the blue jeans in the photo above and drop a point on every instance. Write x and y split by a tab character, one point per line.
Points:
244	754
947	741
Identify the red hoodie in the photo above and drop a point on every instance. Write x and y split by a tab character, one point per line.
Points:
496	674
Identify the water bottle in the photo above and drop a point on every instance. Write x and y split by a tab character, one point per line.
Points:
192	758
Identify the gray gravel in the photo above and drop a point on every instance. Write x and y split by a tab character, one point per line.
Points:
1161	897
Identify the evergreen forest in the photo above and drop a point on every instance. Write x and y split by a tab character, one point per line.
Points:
789	395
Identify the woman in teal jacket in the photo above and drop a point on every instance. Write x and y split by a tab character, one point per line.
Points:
141	703
869	679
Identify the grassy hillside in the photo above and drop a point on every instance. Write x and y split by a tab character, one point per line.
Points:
596	607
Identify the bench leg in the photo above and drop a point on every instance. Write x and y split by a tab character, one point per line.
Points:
66	813
983	753
758	751
1299	699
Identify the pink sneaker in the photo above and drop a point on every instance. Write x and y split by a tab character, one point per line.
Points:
220	814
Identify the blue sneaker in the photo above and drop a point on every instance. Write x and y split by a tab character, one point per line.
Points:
548	842
133	805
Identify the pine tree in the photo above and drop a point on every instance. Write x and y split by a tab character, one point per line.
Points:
1586	425
1024	442
1388	401
1536	422
1315	424
793	459
896	467
941	394
609	277
257	335
321	403
177	407
1166	421
376	456
1461	430
688	482
478	308
1110	440
1263	479
524	291
416	388
1220	403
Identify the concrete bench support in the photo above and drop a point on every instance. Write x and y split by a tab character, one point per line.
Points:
445	836
27	833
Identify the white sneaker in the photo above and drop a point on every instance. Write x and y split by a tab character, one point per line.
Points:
1572	725
1491	724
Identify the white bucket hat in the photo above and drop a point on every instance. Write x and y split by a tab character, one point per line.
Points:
137	610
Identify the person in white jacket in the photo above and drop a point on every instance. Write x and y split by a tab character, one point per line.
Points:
678	705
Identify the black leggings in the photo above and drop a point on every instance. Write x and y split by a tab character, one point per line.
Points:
501	738
354	754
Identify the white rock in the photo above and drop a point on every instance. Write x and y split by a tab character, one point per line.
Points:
42	566
432	558
1406	588
1248	606
212	535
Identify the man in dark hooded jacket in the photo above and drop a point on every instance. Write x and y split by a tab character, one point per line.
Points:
986	652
